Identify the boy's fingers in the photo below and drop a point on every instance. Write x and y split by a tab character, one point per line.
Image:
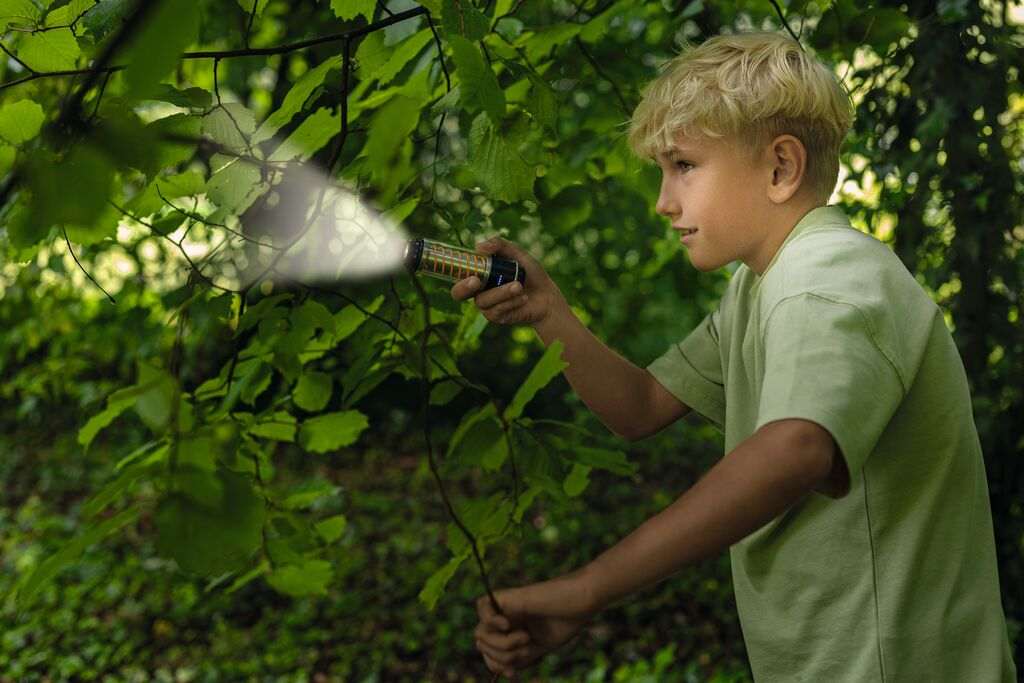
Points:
465	288
498	295
503	641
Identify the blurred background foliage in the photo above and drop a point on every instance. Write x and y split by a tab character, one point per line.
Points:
326	577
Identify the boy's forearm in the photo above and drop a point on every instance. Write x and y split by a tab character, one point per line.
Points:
611	386
762	477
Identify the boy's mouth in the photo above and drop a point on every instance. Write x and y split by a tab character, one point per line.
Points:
687	231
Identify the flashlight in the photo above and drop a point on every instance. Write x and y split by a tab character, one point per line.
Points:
450	263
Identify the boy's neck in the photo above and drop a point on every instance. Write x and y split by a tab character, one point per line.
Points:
777	227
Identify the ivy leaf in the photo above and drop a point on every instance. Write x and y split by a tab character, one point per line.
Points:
296	98
55	50
212	540
479	86
298	580
158	45
350	9
497	164
459	17
313	391
547	368
20	121
332	431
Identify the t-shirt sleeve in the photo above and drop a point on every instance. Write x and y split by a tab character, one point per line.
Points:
823	364
692	371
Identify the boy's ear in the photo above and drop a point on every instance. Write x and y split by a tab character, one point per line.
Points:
787	160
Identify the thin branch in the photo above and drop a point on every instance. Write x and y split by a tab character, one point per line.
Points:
68	242
15	58
782	18
252	16
600	72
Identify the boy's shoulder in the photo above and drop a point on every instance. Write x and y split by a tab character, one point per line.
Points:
837	262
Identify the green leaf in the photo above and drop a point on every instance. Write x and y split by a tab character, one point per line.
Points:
432	589
542	103
313	133
55	50
497	165
547	368
296	98
487	520
577	480
402	53
308	492
279	427
443	393
109	493
195	98
459	17
478	440
212	540
331	528
332	431
235	185
313	391
230	124
20	12
71	551
298	580
247	6
350	9
256	382
97	422
157	46
7	154
539	44
391	125
73	190
478	84
20	121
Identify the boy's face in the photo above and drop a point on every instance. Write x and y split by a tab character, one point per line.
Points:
713	186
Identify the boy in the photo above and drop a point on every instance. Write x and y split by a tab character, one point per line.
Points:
852	496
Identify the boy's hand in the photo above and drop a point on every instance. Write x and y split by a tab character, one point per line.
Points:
512	303
538	619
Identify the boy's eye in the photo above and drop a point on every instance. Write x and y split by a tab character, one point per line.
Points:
683	165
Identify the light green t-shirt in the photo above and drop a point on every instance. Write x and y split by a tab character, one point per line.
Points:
896	580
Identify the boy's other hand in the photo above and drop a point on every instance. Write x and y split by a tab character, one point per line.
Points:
537	619
512	303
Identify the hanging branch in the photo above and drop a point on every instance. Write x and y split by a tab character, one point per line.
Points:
68	242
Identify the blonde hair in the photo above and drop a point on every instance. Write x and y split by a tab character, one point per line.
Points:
751	87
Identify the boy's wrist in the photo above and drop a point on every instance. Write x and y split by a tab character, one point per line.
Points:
557	316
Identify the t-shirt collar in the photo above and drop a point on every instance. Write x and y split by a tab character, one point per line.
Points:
819	217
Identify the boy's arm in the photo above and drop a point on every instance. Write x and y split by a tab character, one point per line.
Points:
627	398
754	483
